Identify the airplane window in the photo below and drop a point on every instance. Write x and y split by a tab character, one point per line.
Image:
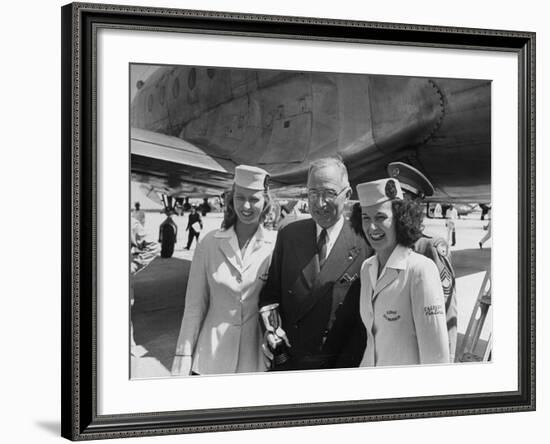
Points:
192	78
150	103
162	94
176	88
211	73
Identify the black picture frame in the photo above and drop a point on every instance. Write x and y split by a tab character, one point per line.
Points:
80	22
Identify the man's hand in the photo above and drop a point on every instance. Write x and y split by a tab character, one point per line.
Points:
271	342
274	334
182	366
267	347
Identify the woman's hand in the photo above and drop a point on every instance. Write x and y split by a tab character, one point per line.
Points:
182	365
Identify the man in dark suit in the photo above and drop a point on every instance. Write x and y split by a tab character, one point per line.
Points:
314	263
194	231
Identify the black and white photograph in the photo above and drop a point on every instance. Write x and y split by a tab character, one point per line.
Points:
274	221
288	220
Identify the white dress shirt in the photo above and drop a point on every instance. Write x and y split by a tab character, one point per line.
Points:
332	233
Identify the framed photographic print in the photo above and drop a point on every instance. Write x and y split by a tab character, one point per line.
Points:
255	207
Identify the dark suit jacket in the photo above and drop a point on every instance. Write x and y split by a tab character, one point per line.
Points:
310	299
192	219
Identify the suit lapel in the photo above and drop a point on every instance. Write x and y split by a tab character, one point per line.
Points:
390	275
396	263
260	239
343	254
308	255
228	247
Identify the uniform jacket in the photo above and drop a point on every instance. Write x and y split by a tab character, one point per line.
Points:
310	299
438	251
403	311
192	219
220	326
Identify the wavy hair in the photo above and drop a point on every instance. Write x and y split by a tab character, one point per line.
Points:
408	217
229	214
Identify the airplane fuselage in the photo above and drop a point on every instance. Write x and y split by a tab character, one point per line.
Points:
283	120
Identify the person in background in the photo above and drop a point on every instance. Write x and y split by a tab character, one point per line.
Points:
142	252
451	217
194	226
220	331
314	263
168	234
139	214
487	235
401	299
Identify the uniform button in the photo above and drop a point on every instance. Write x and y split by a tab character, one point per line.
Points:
289	291
341	303
326	332
239	279
295	325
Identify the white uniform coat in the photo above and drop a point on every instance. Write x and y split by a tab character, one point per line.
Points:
403	311
220	326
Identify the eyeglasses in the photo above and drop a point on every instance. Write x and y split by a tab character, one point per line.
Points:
326	195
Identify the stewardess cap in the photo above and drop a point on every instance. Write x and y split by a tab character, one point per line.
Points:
251	177
379	191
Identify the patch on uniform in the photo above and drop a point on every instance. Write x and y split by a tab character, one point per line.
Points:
391	189
434	310
446	281
348	279
391	315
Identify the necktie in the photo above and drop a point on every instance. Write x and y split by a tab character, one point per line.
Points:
322	247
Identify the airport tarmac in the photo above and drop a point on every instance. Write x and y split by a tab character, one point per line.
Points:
160	288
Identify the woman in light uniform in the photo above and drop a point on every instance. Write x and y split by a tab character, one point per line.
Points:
220	330
401	302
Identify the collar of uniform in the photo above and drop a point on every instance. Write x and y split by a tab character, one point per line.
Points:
225	234
259	235
397	261
333	231
398	258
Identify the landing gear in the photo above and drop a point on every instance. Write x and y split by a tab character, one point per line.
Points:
168	239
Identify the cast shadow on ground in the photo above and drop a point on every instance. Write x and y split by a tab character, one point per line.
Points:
159	292
472	260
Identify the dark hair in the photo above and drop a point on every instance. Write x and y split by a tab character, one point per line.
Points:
356	220
408	217
229	215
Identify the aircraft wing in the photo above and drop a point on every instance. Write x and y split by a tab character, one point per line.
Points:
173	166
